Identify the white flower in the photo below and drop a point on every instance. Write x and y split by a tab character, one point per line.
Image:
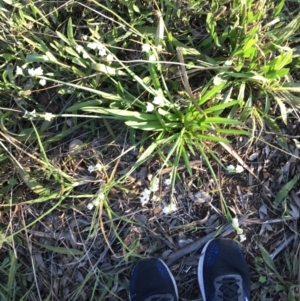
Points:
230	168
98	166
79	48
30	115
109	58
154	185
97	46
48	116
158	100
170	208
42	82
102	51
146	47
152	58
31	72
91	168
239	169
90	206
39	71
168	182
85	37
19	71
85	55
242	237
150	107
92	45
34	72
145	196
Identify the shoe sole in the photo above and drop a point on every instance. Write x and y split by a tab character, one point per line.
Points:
200	270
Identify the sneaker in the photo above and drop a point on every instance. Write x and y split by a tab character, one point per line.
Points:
151	280
223	272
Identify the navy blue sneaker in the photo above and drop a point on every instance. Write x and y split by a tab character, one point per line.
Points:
223	272
151	280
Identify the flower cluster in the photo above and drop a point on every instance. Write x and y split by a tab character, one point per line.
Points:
92	168
237	169
158	101
239	231
32	72
96	202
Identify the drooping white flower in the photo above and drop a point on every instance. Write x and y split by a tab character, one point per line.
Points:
158	100
34	72
98	166
19	71
109	58
97	46
230	168
79	48
145	196
239	169
170	208
146	47
42	82
39	71
168	181
152	58
30	115
90	206
85	55
236	226
92	45
242	237
155	184
150	107
102	51
48	116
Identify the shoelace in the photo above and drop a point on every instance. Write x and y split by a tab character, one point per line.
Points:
229	290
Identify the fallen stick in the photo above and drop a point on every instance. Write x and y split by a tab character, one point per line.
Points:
282	246
223	231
